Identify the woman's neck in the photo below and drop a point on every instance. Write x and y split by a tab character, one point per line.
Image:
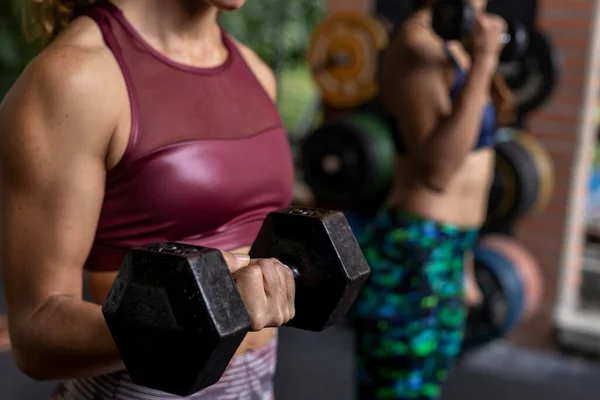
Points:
172	22
183	30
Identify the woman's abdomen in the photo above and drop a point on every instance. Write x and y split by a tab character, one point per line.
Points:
464	201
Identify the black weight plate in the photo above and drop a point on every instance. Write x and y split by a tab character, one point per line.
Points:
516	186
514	73
538	75
527	176
518	42
496	192
348	161
331	168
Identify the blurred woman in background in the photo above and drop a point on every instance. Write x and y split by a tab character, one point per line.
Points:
411	314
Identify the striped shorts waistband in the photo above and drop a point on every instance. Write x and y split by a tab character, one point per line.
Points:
248	377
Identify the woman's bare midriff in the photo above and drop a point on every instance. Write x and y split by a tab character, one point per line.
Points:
98	285
463	203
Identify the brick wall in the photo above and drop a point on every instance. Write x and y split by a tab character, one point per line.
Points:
566	126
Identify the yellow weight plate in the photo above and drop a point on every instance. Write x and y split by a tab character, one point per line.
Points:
545	168
343	55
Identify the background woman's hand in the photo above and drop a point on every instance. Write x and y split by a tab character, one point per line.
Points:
486	40
267	289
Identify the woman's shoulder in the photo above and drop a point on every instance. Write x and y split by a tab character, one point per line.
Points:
76	64
80	48
68	92
413	42
261	70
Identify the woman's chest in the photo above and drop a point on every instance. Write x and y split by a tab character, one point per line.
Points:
201	185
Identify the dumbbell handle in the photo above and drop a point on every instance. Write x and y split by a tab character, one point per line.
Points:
291	257
175	248
292	265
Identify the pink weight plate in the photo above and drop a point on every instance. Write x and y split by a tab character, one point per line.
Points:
524	263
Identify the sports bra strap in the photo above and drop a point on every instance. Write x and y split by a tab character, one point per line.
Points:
101	15
451	57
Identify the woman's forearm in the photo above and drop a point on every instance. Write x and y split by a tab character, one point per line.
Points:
445	149
66	338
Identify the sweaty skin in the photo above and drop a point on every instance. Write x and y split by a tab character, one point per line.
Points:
69	112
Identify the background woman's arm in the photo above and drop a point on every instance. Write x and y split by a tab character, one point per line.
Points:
438	134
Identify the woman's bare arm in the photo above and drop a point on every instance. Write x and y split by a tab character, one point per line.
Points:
55	128
438	135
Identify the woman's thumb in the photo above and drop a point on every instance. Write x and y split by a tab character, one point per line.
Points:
235	261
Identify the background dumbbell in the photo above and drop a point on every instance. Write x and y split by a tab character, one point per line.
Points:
454	20
177	318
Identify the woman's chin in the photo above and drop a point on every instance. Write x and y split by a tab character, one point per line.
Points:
228	5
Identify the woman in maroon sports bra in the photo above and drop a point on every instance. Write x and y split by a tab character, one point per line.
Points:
141	121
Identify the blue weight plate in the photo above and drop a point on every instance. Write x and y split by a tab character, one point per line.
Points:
500	284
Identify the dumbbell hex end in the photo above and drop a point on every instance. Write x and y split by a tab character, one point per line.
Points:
176	317
320	246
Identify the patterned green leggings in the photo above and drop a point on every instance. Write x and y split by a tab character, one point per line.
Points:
410	316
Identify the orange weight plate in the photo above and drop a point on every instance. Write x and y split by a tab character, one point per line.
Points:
343	55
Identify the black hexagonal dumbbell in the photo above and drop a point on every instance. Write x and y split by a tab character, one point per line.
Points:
455	20
177	318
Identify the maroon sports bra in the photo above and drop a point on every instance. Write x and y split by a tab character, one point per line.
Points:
207	158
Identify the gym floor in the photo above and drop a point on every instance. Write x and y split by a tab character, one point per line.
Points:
319	366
